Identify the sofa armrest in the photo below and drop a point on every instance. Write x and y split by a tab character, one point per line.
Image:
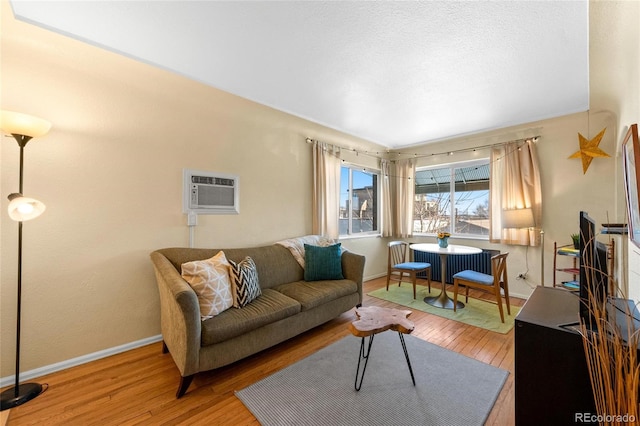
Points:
353	269
179	315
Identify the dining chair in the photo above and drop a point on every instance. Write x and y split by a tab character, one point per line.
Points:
397	266
494	283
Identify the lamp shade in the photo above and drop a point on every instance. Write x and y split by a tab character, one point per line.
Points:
24	208
18	123
517	218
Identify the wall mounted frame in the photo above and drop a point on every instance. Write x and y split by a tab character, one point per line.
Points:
631	164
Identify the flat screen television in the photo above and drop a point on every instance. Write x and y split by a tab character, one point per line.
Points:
593	270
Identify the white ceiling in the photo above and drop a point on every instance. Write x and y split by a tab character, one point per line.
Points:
393	73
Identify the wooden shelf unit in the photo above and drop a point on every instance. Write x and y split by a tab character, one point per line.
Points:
573	269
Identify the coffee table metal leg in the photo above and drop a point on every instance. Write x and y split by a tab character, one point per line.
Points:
363	355
406	355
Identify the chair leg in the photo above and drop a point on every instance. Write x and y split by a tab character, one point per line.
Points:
388	279
499	301
506	299
429	279
414	278
455	294
184	385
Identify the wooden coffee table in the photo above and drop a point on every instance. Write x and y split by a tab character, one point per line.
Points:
373	320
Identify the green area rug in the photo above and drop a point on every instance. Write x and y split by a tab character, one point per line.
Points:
477	312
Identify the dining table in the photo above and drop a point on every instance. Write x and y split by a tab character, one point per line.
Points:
443	300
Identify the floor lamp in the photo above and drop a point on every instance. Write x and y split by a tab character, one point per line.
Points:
23	128
522	219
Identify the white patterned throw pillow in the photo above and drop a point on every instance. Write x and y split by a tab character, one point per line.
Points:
210	280
244	279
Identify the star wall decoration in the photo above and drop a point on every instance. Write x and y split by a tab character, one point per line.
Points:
589	150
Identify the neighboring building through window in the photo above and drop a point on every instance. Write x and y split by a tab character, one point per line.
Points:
453	199
358	201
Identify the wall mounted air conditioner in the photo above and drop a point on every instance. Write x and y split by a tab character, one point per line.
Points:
210	193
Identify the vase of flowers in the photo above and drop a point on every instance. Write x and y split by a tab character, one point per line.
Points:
443	239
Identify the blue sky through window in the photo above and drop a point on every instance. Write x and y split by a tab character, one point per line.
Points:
360	180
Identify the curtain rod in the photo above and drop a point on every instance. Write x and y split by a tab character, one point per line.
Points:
377	154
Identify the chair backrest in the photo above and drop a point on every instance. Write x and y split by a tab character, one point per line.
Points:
499	267
397	252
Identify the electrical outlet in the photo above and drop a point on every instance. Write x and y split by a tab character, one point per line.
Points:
192	219
522	276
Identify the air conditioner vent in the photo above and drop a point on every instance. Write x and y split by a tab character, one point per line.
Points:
210	192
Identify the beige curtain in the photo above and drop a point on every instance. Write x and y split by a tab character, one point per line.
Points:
515	192
403	205
387	215
326	189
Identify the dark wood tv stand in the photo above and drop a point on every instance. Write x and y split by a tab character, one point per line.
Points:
551	378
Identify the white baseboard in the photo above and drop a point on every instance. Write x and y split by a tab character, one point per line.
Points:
373	277
48	369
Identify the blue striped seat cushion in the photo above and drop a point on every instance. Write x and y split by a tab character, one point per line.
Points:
412	265
478	277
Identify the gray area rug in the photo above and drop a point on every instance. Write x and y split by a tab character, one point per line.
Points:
451	389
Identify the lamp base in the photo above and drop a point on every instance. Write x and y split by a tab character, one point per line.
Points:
25	393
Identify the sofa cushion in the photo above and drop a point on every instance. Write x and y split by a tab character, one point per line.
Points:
276	265
244	279
315	293
296	245
210	280
269	307
322	263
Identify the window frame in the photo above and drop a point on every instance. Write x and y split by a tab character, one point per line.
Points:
485	161
377	204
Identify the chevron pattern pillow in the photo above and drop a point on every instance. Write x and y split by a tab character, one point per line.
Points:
210	280
244	278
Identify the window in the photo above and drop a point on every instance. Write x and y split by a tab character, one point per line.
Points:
461	208
358	201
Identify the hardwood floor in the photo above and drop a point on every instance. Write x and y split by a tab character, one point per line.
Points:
138	387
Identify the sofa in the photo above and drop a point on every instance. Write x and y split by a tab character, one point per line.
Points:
287	306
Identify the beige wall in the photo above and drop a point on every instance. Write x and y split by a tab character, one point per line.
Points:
565	189
614	66
614	104
110	174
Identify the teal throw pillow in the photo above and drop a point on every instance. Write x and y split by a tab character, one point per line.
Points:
322	263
